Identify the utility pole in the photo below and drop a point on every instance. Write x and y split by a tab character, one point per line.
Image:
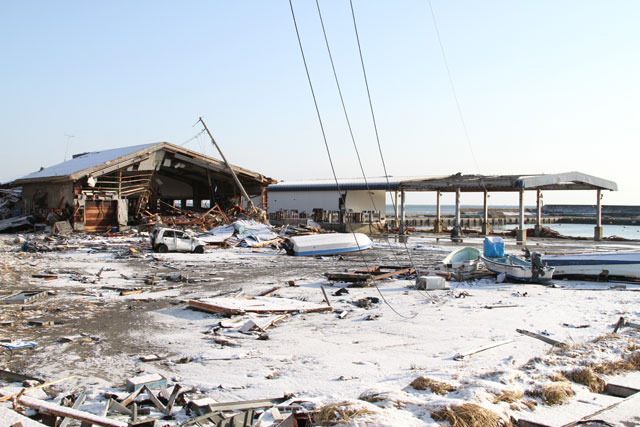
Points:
235	177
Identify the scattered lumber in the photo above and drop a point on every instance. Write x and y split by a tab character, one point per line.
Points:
63	411
461	356
542	338
232	306
370	274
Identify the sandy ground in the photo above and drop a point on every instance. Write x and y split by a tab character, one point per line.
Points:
317	357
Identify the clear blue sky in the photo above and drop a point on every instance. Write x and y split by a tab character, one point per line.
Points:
544	86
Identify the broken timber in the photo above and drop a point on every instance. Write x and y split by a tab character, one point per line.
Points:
622	322
370	274
63	411
461	356
231	306
542	338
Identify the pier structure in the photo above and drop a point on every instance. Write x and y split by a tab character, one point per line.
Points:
485	184
362	201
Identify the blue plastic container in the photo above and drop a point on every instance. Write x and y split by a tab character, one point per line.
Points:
493	247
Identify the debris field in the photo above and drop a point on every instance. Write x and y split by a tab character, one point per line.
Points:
104	331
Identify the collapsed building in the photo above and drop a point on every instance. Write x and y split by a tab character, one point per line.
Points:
96	191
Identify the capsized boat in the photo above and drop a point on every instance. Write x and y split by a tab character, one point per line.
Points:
327	244
519	269
617	264
463	260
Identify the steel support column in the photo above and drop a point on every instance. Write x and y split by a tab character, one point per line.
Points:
438	225
521	233
402	213
597	232
485	214
538	229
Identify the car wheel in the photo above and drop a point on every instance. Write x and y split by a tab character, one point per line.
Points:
199	250
163	249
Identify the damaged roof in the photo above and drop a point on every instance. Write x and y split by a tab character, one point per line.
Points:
469	183
101	162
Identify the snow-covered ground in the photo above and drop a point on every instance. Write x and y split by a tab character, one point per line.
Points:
391	335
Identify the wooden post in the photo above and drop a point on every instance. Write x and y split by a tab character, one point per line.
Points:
438	226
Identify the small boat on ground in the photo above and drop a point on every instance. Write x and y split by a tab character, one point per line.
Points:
597	264
513	267
463	260
519	269
328	244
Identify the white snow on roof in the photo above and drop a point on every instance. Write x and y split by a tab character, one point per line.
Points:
85	161
360	180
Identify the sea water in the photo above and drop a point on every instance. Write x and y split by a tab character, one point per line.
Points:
576	230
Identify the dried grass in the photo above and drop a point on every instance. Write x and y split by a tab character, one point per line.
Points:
509	396
632	363
337	413
438	387
556	393
469	415
611	367
634	359
587	377
557	376
530	404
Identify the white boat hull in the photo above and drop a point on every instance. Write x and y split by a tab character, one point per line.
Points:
329	244
463	260
517	269
620	264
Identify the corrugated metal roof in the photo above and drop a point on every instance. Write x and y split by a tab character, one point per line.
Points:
467	183
84	161
374	183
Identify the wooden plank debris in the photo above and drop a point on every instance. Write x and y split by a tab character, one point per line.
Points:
44	276
26	390
244	405
63	411
127	401
542	338
262	326
76	405
269	291
370	274
461	356
156	402
622	322
172	399
118	407
232	306
326	298
41	322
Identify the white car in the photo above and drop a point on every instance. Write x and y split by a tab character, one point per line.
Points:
168	239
